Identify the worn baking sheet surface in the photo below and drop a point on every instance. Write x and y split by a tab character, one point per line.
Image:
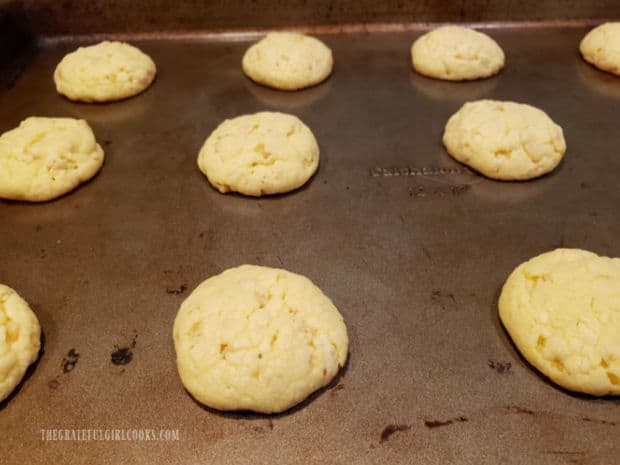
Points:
53	17
414	262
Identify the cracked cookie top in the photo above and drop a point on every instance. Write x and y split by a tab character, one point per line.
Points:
44	158
104	72
288	61
504	140
258	154
456	53
258	338
562	310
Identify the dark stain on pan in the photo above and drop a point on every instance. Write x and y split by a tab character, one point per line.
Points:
441	297
573	457
584	185
172	279
265	428
337	387
459	189
501	367
447	294
390	429
70	360
177	291
53	383
38	228
124	355
106	142
518	409
440	423
600	422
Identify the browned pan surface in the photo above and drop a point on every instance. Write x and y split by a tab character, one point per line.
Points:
414	262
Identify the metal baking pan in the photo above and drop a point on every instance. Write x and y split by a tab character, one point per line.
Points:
412	248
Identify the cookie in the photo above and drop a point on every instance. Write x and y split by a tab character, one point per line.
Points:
44	158
258	338
601	47
20	339
562	310
104	72
258	154
288	61
504	140
455	53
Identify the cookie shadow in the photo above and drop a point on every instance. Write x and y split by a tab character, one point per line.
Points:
531	369
549	174
29	371
289	100
251	415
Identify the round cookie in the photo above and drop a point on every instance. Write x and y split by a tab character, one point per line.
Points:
504	140
258	338
262	153
44	158
601	47
288	61
20	339
104	72
562	310
455	53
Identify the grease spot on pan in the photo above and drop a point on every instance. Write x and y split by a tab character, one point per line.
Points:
440	423
172	279
177	291
124	355
600	422
336	388
391	429
501	367
518	409
70	361
265	428
53	384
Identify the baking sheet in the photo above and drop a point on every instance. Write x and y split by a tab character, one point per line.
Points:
412	248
